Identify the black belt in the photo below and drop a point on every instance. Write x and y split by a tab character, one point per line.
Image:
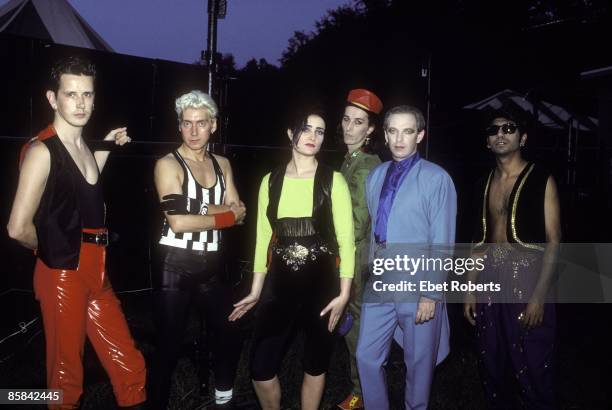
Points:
100	239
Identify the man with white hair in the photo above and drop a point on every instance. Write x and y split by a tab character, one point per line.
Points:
413	207
197	194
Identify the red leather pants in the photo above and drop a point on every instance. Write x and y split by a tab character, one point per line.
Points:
81	302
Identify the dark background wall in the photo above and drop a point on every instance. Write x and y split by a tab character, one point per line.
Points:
139	93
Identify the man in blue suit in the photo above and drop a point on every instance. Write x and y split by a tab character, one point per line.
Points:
412	204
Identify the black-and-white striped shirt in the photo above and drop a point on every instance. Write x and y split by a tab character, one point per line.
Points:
199	241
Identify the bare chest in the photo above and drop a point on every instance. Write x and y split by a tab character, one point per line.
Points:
203	172
499	197
84	161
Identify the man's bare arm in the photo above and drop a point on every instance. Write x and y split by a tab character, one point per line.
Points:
32	180
534	311
231	193
120	136
552	222
469	303
167	182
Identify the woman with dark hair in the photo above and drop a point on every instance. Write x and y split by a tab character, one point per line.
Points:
305	254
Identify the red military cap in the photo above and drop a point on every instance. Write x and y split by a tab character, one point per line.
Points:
365	99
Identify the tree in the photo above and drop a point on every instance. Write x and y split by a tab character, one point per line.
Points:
298	41
226	65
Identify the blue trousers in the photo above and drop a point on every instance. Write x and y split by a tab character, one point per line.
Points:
422	344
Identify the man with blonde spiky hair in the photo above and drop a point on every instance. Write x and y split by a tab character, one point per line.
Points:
197	194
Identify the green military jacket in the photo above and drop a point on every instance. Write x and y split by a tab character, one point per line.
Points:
355	169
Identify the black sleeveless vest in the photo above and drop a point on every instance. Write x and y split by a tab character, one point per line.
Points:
525	224
200	241
58	218
322	218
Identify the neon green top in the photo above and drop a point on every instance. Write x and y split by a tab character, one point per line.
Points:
296	201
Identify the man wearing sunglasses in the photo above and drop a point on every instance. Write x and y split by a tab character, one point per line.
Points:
518	235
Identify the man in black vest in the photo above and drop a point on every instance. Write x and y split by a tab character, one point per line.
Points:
59	212
518	233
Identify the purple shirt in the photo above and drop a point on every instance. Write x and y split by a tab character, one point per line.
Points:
396	173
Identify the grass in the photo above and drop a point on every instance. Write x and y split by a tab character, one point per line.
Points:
583	367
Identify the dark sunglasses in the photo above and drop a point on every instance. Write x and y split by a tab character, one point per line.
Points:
507	128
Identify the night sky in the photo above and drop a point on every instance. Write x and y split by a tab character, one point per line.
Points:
176	30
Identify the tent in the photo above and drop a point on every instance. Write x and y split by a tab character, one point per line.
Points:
548	115
55	21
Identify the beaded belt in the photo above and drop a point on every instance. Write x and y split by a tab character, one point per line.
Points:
296	255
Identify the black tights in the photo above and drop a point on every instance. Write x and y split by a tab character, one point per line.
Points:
293	299
187	278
